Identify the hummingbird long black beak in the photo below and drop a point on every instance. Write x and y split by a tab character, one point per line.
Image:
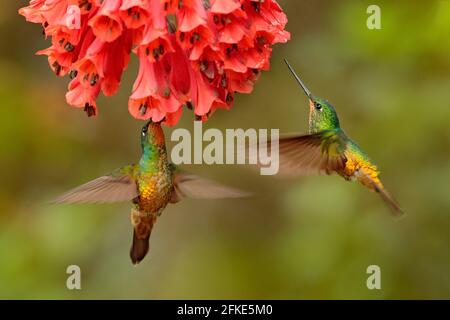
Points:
305	89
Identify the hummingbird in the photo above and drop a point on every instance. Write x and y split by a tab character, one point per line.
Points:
150	184
327	149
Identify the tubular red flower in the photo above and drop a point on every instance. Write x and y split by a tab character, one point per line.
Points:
107	24
193	54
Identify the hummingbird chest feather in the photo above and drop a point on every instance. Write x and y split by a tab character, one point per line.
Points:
155	190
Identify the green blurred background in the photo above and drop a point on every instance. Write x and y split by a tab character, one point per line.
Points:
307	238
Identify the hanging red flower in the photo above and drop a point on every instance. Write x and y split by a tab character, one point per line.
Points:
193	53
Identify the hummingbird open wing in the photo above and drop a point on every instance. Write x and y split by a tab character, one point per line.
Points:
318	153
191	186
116	187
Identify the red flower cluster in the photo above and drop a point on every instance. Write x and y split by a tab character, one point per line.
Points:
193	53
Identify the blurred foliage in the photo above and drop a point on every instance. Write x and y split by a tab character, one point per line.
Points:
306	238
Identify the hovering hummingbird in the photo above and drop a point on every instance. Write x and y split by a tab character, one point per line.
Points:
151	185
327	149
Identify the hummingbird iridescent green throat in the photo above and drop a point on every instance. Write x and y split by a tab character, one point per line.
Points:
151	185
327	149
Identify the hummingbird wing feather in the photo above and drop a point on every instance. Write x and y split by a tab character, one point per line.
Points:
115	187
318	153
192	186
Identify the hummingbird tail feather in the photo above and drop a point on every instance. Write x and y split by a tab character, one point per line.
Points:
143	224
375	184
396	210
139	248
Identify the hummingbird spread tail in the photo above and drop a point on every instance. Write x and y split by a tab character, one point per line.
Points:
143	224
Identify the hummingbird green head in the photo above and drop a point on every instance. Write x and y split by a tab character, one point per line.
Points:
322	115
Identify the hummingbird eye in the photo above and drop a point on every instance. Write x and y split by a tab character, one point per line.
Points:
318	106
144	130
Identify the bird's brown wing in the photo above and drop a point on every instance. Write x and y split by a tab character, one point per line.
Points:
319	153
192	186
115	187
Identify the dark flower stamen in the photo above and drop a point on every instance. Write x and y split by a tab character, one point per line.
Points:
57	68
229	98
73	74
224	82
166	93
89	109
171	23
156	54
143	109
69	47
94	79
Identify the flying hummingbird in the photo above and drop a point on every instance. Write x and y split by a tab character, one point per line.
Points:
150	185
327	149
